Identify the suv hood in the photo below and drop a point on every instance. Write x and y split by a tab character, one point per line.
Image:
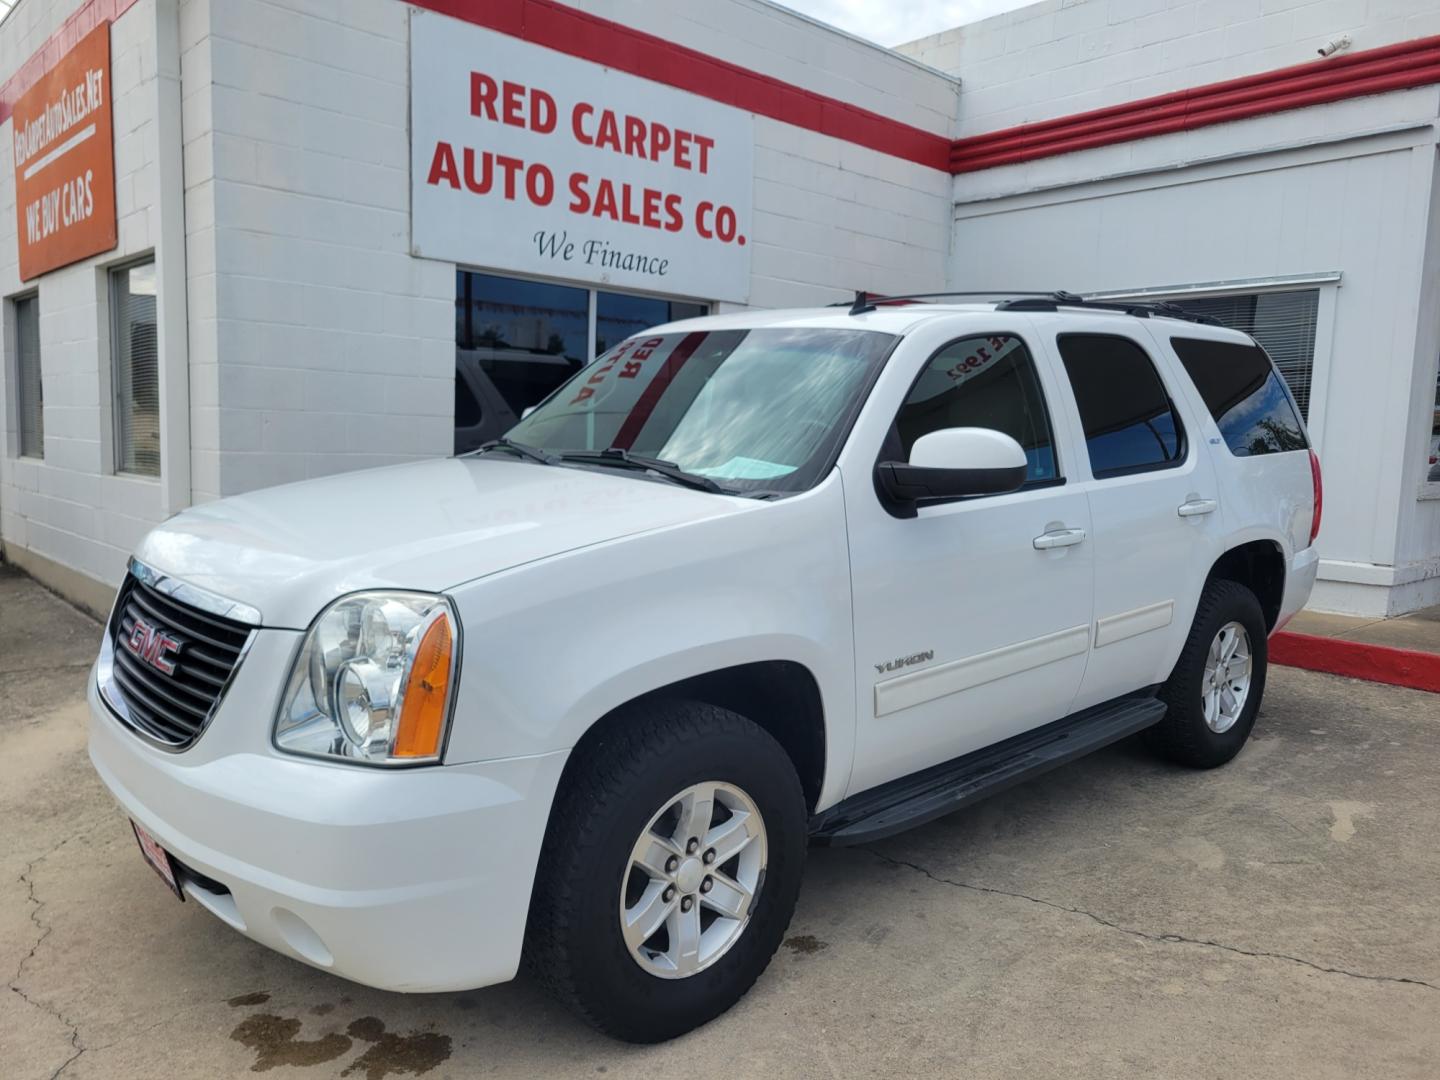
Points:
430	526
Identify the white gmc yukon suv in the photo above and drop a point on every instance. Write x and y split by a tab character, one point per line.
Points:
745	583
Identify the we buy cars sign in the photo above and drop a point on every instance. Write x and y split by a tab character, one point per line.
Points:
527	160
65	160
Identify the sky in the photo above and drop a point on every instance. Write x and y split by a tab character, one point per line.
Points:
893	22
890	22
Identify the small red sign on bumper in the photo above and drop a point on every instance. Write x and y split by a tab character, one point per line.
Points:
158	858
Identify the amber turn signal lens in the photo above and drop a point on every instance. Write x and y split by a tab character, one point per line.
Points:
422	716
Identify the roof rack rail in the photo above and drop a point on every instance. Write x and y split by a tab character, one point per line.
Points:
868	301
1140	310
1016	300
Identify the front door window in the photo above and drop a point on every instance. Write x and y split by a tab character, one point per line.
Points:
986	382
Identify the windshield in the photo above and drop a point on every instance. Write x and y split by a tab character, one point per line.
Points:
751	409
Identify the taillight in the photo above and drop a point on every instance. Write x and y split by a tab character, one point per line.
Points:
1319	496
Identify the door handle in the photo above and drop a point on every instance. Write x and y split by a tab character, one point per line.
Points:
1196	507
1058	538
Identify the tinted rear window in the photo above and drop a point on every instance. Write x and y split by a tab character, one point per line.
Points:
1244	395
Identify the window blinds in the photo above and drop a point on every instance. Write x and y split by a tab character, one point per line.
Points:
137	370
1282	322
31	387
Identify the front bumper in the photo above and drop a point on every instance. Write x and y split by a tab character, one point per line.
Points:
412	880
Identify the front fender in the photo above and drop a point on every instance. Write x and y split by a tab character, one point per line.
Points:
551	647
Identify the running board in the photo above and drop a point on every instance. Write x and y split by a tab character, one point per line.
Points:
924	796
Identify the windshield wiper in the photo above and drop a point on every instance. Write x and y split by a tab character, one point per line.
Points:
529	453
624	459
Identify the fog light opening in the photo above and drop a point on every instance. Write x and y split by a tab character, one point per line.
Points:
300	937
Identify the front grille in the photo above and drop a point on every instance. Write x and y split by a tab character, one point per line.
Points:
199	649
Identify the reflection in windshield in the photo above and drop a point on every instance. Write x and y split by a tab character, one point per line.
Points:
749	408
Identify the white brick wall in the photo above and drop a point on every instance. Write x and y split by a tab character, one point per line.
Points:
1066	56
69	507
775	41
326	346
1343	187
830	216
335	348
316	343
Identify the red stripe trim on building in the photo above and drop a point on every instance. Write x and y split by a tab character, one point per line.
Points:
81	21
1374	71
588	37
1357	659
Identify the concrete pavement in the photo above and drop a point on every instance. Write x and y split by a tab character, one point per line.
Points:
1118	918
1420	630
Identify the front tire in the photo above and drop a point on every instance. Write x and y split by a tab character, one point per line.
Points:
671	867
1214	692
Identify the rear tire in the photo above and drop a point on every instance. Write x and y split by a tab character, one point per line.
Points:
1214	692
645	785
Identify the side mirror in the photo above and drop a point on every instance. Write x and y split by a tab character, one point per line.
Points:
955	462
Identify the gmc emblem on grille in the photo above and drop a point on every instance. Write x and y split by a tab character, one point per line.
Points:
153	645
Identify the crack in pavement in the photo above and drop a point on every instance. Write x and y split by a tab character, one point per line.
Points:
1174	939
27	878
80	1048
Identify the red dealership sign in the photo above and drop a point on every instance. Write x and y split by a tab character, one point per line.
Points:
528	160
65	160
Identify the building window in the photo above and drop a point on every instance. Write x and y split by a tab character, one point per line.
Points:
1130	425
29	383
1282	322
619	315
1432	468
133	347
519	339
525	337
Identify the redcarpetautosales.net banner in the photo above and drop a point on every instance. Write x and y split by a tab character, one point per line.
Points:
530	161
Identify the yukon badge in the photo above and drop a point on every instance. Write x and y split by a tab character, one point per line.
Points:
152	645
904	661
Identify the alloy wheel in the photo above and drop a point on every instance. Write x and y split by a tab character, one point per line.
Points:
692	879
1226	683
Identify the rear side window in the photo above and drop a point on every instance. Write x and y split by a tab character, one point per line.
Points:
1244	395
1130	425
986	382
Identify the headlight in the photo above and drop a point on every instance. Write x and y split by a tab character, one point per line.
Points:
373	682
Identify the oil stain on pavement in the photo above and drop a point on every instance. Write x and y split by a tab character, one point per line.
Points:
805	943
275	1040
416	1053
